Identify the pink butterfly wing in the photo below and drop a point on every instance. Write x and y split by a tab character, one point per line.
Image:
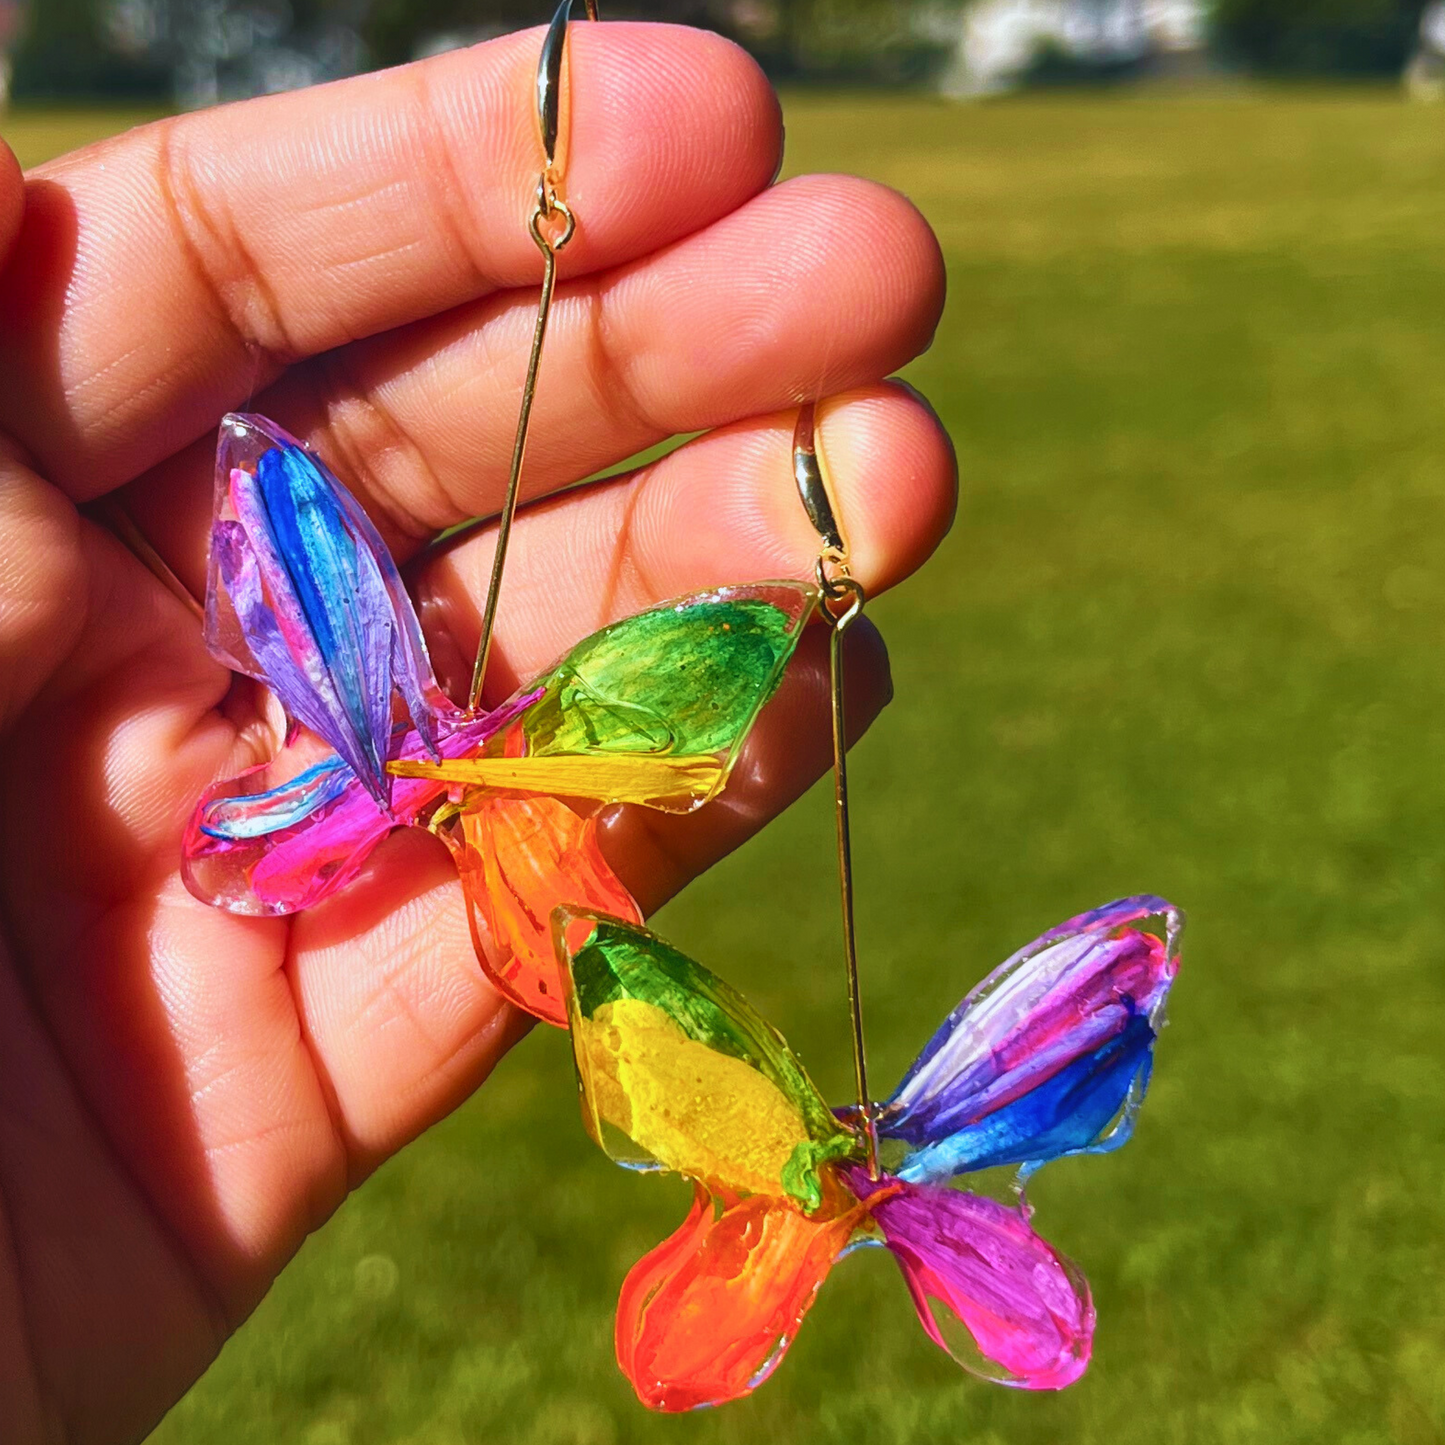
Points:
988	1290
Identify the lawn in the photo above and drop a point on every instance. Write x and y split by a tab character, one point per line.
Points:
37	133
1184	639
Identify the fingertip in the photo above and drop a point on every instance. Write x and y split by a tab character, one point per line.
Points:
817	285
695	102
894	475
893	250
908	249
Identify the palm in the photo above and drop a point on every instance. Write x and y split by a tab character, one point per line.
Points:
184	1094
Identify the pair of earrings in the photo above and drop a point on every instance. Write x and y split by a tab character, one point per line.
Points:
1048	1056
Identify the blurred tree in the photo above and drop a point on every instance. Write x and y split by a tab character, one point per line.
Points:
196	51
64	51
397	29
1318	37
207	50
879	40
891	40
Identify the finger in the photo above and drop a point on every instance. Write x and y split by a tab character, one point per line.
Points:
255	234
721	510
43	586
815	286
396	1012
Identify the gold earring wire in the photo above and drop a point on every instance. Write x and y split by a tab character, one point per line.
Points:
552	225
841	590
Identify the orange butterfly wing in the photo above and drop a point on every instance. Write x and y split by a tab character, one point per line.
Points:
707	1315
517	855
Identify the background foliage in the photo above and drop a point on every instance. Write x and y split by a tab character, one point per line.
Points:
125	47
156	48
1318	37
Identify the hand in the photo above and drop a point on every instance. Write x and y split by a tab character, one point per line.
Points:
185	1094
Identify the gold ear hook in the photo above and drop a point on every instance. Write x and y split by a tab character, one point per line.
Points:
841	591
549	77
813	487
552	225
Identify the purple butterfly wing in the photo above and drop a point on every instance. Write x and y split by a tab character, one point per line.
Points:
285	835
303	594
1049	1055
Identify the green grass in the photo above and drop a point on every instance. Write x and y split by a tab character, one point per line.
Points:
1186	638
39	133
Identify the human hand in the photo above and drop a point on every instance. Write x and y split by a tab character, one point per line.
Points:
184	1094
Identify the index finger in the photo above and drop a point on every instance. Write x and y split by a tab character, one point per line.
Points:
161	278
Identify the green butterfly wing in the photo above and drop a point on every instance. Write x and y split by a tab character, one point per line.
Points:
653	709
678	1071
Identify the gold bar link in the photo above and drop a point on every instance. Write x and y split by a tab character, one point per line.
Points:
836	589
549	248
839	590
550	212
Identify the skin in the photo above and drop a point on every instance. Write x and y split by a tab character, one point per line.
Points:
184	1095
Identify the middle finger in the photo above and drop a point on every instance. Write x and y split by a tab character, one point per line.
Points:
819	285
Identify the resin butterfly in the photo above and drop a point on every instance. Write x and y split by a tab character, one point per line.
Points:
303	595
1049	1056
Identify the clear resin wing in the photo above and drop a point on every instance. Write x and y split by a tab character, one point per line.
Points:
1049	1055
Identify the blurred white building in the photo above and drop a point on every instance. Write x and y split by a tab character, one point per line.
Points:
1001	37
1425	73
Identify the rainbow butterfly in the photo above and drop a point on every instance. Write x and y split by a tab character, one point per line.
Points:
303	595
1049	1056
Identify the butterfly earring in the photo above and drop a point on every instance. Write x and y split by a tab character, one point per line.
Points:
1049	1056
303	595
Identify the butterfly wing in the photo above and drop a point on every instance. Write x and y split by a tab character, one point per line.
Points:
678	1071
517	856
1049	1056
707	1315
266	849
652	709
302	594
988	1290
285	835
